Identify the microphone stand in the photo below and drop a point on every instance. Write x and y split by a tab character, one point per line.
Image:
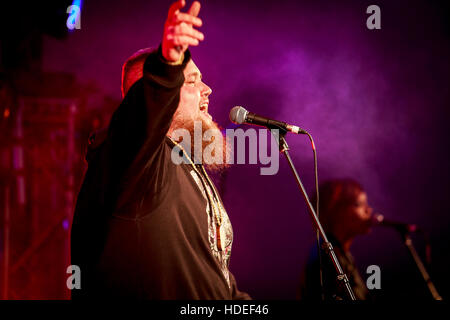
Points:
327	246
423	271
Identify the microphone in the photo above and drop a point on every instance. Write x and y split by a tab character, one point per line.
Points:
239	115
379	220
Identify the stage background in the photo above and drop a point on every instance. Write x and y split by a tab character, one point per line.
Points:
376	102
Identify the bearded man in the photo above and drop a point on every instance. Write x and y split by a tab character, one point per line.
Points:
145	227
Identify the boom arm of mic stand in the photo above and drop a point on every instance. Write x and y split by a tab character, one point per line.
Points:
423	271
341	276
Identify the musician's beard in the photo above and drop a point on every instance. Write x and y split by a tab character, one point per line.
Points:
212	161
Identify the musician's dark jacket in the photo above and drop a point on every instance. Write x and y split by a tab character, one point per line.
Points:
141	228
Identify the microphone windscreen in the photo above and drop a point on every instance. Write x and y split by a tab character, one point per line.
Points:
377	218
238	115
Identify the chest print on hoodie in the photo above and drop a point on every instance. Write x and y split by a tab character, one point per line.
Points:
226	231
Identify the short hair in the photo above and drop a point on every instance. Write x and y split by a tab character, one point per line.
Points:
334	196
132	69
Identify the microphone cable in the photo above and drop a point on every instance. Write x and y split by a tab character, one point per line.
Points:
316	183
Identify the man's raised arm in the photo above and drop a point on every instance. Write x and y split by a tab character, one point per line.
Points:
163	71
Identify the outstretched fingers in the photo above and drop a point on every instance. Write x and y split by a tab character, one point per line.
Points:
180	40
179	30
180	17
175	7
194	10
186	30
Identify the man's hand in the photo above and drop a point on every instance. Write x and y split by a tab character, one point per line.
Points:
179	32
